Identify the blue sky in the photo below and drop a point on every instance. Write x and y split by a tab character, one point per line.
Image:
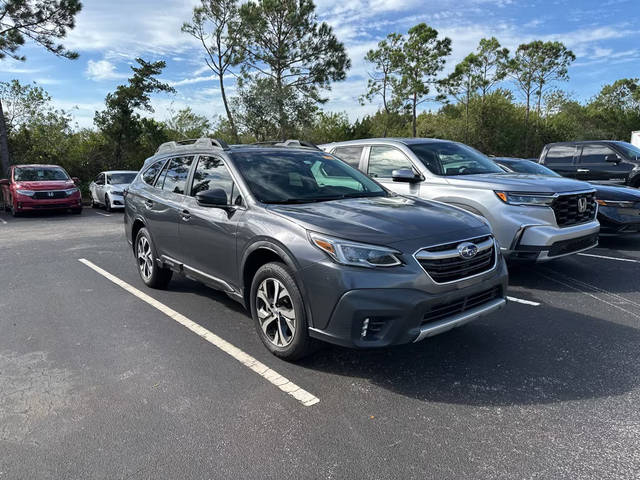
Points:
604	35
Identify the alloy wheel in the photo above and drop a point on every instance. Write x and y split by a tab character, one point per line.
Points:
275	312
145	258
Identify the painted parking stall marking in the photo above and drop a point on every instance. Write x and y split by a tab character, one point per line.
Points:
3	221
524	302
609	258
103	214
290	388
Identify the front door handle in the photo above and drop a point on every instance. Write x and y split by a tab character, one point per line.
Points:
186	215
583	170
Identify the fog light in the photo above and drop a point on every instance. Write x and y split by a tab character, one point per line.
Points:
365	327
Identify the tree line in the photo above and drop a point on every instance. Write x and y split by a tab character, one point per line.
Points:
283	61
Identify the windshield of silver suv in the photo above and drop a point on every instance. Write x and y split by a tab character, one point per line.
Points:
452	159
302	177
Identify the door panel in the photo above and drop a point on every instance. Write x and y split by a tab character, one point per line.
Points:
593	165
561	159
208	234
163	205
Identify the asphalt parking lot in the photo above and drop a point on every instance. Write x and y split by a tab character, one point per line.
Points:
96	382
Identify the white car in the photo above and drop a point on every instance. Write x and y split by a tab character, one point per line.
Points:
107	189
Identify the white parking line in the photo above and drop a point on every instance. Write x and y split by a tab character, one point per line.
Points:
104	214
609	258
526	302
304	397
3	221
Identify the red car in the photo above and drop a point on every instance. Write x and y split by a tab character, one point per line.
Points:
40	187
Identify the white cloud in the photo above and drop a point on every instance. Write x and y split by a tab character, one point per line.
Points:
102	70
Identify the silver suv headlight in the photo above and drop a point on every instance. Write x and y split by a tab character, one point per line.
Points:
536	199
355	254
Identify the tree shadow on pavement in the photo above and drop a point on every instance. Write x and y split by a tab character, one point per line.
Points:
518	357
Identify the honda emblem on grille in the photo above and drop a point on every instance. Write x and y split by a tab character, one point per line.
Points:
467	250
582	204
50	194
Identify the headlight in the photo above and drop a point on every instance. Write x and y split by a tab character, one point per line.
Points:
356	254
28	193
541	200
615	203
71	191
116	192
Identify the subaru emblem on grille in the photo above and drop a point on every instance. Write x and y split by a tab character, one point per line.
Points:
582	204
467	250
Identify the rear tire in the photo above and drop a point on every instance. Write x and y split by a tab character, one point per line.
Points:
152	274
279	313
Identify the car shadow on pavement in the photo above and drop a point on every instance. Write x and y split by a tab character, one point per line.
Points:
629	242
519	357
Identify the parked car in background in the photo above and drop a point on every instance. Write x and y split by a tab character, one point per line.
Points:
618	206
107	189
40	187
532	218
311	246
604	161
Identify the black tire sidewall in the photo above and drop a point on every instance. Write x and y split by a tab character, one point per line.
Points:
159	276
300	345
107	203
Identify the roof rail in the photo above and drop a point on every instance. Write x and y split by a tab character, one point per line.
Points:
203	142
289	143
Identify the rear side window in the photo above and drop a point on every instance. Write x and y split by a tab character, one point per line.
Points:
211	173
559	154
384	160
174	176
595	153
351	155
151	173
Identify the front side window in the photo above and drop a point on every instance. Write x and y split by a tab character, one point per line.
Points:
302	177
174	177
151	173
99	179
350	154
39	174
595	153
560	154
452	159
211	173
383	160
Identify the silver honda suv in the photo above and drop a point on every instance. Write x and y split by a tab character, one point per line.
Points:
533	218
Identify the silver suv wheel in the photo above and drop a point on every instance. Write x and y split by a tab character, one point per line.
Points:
275	312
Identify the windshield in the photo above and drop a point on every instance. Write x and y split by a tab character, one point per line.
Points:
526	166
451	159
629	149
302	177
39	174
121	178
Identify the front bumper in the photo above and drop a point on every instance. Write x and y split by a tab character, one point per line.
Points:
117	201
380	317
614	220
24	203
546	242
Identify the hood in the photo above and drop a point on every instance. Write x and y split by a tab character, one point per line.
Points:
46	185
519	182
609	192
384	220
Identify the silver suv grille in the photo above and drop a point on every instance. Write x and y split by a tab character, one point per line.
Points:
574	209
446	263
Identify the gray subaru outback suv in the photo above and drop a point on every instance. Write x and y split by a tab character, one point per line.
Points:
313	247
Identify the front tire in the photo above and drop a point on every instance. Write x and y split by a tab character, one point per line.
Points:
151	273
107	203
279	314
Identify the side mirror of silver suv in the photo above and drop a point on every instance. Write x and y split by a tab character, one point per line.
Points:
405	175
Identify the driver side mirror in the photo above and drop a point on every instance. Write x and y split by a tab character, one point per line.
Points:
212	198
613	158
75	180
4	181
405	175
